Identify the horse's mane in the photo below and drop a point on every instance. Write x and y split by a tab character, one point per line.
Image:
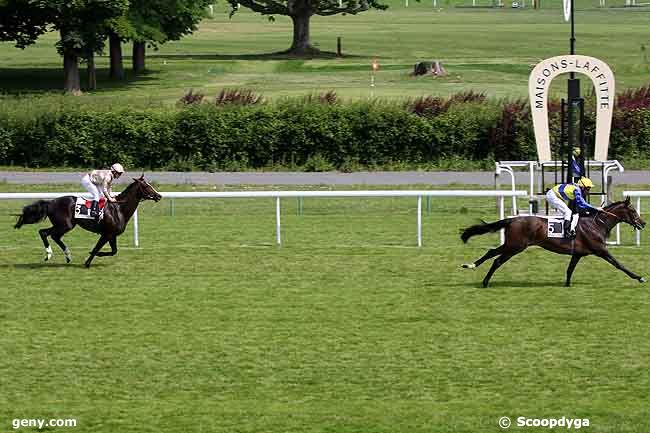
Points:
615	204
127	190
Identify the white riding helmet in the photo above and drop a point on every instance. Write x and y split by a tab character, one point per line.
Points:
117	167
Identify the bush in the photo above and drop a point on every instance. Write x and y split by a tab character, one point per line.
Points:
314	133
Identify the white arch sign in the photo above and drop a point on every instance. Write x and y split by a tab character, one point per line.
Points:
539	83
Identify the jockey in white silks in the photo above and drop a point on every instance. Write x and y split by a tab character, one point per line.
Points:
99	184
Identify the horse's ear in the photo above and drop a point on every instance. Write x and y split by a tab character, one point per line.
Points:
142	177
627	201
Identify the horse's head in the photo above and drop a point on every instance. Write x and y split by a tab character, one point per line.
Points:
145	190
626	212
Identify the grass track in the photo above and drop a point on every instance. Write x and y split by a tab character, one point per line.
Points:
347	328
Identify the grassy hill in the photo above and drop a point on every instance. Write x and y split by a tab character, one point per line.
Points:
484	49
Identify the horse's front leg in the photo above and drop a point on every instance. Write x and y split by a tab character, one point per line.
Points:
572	265
605	255
113	243
100	243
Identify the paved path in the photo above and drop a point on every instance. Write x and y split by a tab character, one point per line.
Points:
299	178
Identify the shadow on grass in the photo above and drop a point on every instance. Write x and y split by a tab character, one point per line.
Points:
15	81
495	284
42	265
282	55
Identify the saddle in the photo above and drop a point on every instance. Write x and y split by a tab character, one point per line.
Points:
83	206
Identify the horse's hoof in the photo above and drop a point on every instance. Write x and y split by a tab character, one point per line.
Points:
468	266
68	259
642	280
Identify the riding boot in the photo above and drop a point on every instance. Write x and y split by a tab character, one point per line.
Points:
94	210
568	233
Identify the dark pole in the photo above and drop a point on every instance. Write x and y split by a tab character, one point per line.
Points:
573	103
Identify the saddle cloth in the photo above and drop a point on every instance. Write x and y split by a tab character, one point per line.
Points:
555	227
82	208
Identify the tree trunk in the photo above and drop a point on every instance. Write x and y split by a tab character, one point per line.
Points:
115	50
71	81
92	72
138	57
301	43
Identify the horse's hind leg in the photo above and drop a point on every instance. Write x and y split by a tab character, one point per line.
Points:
57	238
44	233
113	243
497	263
491	253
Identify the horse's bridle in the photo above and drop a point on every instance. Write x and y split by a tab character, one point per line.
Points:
635	223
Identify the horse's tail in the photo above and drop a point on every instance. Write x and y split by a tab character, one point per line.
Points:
480	229
33	213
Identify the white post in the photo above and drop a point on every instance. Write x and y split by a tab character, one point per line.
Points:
532	187
638	210
136	239
278	238
406	3
419	221
502	215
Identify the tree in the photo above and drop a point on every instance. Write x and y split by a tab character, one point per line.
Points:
80	23
152	23
301	11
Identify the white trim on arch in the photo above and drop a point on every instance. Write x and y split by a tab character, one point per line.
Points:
538	86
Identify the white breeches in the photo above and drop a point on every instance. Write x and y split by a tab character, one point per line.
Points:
91	187
558	204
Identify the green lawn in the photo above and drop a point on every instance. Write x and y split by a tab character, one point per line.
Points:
486	50
348	327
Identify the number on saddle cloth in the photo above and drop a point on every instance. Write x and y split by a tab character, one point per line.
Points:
555	228
83	206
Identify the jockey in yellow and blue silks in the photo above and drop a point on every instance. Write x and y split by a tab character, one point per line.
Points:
565	196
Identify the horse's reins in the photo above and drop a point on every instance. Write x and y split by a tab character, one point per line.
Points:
610	214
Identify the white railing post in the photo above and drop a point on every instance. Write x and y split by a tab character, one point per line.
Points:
136	239
638	210
502	215
419	221
278	238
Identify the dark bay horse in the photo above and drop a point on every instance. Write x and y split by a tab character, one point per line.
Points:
61	213
526	231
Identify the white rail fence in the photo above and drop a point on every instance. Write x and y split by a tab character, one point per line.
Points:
637	195
277	195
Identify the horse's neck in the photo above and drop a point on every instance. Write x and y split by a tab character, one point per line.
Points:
129	202
610	219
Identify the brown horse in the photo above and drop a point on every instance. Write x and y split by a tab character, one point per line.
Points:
61	213
525	231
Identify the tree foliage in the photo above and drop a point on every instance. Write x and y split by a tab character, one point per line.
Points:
301	11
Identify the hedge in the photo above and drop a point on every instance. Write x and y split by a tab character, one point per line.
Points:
307	134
